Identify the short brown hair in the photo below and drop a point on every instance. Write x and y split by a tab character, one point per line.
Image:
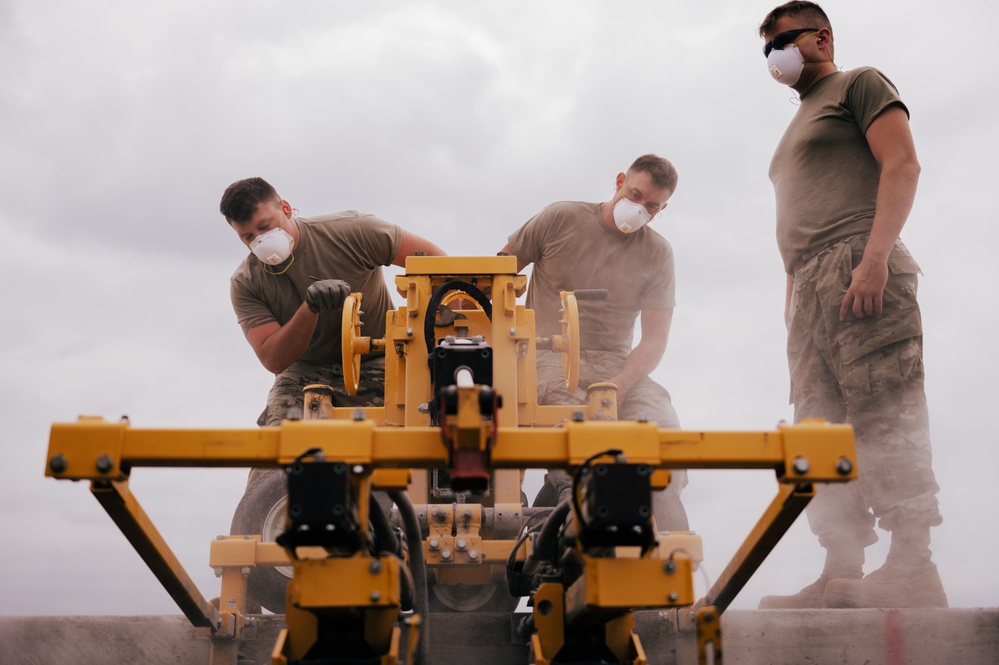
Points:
242	197
661	170
801	9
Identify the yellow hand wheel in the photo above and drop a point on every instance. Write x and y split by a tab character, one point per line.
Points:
352	345
568	342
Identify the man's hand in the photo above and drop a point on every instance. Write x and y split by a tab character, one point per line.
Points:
327	295
867	287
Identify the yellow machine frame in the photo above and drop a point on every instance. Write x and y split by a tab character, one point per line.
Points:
391	447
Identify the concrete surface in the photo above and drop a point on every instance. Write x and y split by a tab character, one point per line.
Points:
778	637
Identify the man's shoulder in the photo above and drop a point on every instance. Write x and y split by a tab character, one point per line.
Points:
562	213
570	207
338	220
243	271
865	76
655	240
348	226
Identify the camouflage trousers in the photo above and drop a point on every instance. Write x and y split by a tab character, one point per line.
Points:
288	392
647	400
287	395
868	373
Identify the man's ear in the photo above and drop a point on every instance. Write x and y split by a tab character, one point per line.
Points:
619	181
286	208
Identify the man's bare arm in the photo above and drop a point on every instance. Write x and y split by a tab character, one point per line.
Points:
646	356
411	244
277	346
891	143
506	250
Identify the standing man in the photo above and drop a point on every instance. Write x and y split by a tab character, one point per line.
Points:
289	291
575	245
845	176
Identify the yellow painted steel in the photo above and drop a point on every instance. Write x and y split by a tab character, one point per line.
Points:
82	443
393	447
630	584
345	582
709	644
549	623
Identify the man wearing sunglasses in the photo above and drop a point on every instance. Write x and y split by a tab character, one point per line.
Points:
845	175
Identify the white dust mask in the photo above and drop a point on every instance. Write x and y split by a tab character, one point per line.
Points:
630	216
786	64
273	247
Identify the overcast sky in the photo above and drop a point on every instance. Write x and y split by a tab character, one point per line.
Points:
123	122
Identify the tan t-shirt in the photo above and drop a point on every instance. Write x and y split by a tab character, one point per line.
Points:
348	245
571	248
824	174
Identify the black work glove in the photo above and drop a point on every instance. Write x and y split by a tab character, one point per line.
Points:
327	295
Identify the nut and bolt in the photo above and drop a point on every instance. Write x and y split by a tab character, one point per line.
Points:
434	544
844	466
473	554
578	416
59	463
409	331
461	544
673	597
375	596
104	463
375	567
445	554
800	465
669	567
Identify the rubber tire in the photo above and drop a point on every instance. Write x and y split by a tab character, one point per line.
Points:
265	585
499	601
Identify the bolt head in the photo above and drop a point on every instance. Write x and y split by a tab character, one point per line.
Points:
844	466
58	463
800	465
375	567
104	463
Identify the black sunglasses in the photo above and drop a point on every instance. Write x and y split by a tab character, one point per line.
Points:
781	40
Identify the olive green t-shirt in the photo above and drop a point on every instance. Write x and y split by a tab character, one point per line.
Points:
571	248
348	245
824	174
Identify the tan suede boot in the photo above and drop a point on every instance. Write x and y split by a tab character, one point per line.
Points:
909	578
841	564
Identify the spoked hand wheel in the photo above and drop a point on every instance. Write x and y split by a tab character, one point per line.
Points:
352	345
568	342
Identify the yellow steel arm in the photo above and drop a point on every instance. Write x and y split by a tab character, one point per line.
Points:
807	452
126	512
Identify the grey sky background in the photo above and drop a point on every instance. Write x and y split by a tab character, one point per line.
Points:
121	123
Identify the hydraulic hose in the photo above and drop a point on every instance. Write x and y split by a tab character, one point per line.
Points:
418	568
547	538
